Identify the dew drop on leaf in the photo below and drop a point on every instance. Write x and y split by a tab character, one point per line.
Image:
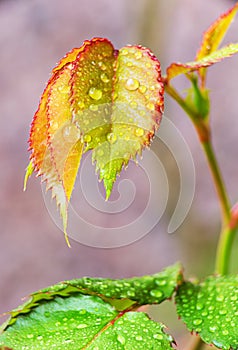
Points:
82	325
197	322
95	93
111	138
139	132
102	65
124	52
93	108
71	133
156	293
150	106
81	104
133	104
104	78
158	336
87	138
142	89
212	329
132	84
30	336
138	55
139	337
121	339
100	152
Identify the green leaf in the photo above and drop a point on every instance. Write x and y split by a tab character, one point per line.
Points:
98	99
178	68
211	309
84	322
93	313
198	98
121	293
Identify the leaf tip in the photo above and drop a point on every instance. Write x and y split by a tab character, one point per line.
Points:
29	171
67	239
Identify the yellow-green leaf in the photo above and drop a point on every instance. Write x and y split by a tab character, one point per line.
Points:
216	32
178	68
117	99
137	103
214	36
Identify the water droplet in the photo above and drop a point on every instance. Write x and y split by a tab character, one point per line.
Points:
121	339
199	306
197	322
220	298
212	329
100	152
132	84
218	344
111	137
68	341
71	133
133	104
87	138
139	337
225	332
158	336
160	282
139	132
124	52
150	106
54	125
102	65
156	293
142	89
138	55
82	325
93	108
30	336
63	89
39	337
95	93
222	312
104	77
81	104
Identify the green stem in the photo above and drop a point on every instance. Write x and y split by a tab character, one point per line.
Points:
228	231
224	250
218	181
179	99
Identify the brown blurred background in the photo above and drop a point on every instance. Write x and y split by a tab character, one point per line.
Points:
34	35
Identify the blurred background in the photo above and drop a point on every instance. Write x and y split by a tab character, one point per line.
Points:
34	35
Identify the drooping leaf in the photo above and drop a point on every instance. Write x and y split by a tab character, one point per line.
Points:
98	98
93	313
178	68
214	35
51	146
211	309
